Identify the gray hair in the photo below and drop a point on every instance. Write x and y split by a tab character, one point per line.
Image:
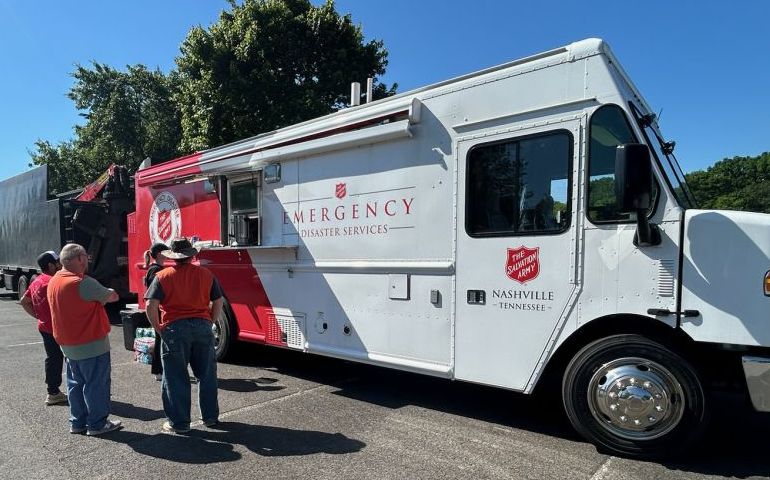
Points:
70	252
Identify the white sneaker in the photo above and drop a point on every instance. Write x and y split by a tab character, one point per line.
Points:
109	426
159	377
170	429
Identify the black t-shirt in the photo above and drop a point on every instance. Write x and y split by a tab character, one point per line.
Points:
152	270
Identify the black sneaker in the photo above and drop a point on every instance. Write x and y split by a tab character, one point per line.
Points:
56	398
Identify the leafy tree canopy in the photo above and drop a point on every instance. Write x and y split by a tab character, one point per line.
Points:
129	116
264	64
267	64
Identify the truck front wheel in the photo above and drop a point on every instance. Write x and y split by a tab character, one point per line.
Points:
634	397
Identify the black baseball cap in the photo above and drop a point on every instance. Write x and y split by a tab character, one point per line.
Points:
47	257
156	248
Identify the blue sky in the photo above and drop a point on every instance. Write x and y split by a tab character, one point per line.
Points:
705	64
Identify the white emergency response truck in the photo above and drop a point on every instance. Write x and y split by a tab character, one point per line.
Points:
523	222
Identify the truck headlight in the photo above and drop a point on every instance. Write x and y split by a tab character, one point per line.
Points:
767	284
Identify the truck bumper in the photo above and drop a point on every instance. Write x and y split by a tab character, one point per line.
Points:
757	372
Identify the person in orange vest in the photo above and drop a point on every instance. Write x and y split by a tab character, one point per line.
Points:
81	328
178	302
35	302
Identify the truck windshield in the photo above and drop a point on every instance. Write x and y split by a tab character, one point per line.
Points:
664	152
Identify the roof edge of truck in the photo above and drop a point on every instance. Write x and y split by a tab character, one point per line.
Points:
380	108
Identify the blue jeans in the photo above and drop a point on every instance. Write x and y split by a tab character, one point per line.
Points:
88	389
188	341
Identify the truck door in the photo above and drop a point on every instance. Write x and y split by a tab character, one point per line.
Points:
515	250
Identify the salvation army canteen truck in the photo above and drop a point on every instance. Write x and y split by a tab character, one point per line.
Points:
522	223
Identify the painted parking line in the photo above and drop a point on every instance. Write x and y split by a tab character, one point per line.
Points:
16	324
602	472
20	344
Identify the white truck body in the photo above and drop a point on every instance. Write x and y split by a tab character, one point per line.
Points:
380	243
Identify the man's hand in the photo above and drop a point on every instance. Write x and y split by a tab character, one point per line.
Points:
216	308
153	314
26	304
114	297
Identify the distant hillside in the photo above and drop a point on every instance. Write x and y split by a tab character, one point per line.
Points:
738	183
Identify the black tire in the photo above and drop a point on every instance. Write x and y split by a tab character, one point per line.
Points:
21	286
224	329
634	397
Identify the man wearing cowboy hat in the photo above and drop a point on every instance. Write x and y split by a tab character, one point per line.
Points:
178	307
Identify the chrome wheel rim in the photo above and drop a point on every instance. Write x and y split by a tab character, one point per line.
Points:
635	398
217	331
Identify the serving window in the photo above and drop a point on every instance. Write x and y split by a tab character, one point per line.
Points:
245	210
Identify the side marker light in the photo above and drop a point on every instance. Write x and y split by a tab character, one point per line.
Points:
767	284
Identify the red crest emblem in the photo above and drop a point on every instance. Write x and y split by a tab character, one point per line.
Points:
164	225
523	264
340	191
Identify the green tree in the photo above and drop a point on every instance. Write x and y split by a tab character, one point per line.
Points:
738	183
129	116
267	64
65	173
603	193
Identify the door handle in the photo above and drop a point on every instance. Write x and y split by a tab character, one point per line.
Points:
477	297
663	312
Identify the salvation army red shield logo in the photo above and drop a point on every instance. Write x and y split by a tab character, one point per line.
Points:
165	218
523	264
340	191
164	224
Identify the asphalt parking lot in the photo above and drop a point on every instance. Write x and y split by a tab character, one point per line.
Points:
289	415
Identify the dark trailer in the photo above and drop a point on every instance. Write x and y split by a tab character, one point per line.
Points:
32	221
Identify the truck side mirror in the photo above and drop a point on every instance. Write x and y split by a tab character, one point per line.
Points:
633	189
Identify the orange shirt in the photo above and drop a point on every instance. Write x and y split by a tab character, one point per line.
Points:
186	292
75	321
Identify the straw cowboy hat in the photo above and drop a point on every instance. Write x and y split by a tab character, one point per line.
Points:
181	248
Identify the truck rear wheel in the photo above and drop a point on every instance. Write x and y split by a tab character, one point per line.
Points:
634	397
22	286
224	330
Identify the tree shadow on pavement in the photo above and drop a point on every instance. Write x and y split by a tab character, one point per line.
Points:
216	445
